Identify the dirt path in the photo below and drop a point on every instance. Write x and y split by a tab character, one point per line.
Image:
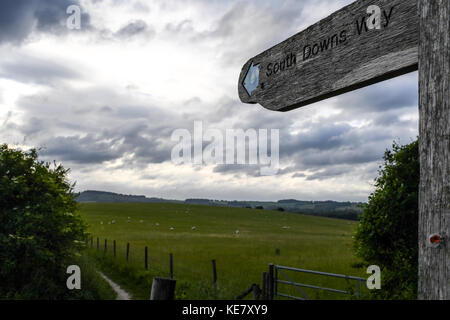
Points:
121	294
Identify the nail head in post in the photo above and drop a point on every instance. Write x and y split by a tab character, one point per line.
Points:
435	240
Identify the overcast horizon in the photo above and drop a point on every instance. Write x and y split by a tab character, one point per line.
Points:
105	99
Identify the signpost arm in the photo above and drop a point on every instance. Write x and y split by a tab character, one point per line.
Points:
434	148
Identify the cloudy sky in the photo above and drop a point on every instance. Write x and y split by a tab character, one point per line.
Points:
105	99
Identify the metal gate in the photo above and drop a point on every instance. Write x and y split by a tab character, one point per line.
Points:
278	272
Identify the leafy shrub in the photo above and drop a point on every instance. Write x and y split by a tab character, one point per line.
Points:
40	231
387	233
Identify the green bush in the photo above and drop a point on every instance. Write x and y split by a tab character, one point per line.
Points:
40	232
387	233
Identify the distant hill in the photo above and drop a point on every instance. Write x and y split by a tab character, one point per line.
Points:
103	196
329	208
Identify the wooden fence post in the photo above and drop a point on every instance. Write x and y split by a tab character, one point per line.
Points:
114	248
264	286
256	292
214	275
98	243
163	289
146	258
171	265
434	148
106	245
128	250
270	285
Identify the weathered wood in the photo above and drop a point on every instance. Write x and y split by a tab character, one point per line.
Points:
213	262
270	284
146	259
253	288
336	55
264	286
128	251
114	247
434	146
256	292
106	245
163	289
171	265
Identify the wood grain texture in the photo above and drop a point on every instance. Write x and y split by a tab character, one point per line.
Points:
348	56
434	145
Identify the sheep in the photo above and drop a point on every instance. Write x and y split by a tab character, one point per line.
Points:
194	228
237	232
172	228
157	224
113	222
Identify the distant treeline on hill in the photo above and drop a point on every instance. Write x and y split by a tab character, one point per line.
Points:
333	209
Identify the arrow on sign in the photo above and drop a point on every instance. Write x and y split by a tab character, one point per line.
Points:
251	80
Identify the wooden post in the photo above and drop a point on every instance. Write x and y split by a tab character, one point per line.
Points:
434	148
264	286
256	292
146	258
106	244
114	248
98	243
270	285
128	250
171	265
214	275
163	289
92	242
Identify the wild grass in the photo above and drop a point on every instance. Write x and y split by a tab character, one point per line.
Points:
263	237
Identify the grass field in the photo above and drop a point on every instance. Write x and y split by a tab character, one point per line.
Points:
306	242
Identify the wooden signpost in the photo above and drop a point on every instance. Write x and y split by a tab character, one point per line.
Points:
434	148
364	43
361	44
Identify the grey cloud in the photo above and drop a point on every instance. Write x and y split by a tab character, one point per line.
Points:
149	177
34	70
318	137
138	146
8	116
87	150
394	94
238	169
185	26
133	29
18	18
330	172
96	125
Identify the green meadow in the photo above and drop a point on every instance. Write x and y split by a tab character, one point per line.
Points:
242	241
